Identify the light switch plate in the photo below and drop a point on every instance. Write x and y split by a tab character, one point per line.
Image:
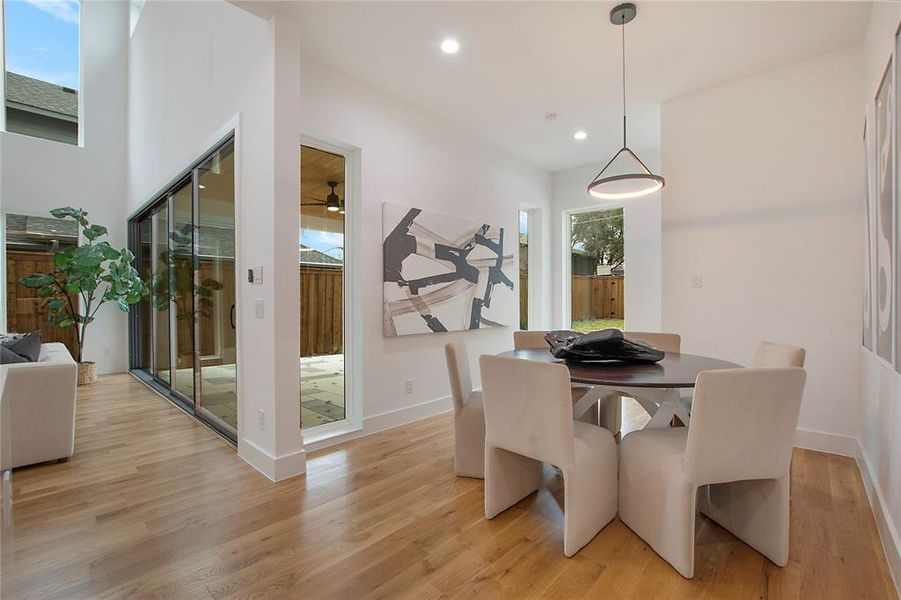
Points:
258	308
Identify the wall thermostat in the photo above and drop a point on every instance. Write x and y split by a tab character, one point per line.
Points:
255	276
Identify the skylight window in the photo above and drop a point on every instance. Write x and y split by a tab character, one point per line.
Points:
41	71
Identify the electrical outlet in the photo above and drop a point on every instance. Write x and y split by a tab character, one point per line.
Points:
258	308
261	418
696	281
106	352
409	386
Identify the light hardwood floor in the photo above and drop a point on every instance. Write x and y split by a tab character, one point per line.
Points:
153	505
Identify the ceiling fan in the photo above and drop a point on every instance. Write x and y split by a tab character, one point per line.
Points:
332	202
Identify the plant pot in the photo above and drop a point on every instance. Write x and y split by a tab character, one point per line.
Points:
87	373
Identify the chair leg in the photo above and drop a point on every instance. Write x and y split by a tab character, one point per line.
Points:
509	477
589	501
756	512
661	511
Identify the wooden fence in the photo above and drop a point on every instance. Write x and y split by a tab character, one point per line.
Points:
598	297
23	312
321	311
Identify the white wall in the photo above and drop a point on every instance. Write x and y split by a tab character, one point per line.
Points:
641	228
197	70
763	200
881	389
408	157
37	175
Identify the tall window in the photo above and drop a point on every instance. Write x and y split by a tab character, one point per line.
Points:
523	270
41	69
31	242
597	270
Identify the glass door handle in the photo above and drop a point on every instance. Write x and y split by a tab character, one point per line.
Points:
231	316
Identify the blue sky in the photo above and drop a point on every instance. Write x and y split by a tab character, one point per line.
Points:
523	222
42	40
324	241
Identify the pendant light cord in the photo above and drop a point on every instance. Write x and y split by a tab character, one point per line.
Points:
623	25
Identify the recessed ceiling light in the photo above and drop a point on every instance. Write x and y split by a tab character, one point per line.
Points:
580	135
450	46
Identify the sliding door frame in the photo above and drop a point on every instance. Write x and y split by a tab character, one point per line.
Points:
170	391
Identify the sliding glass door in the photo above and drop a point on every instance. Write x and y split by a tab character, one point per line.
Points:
183	334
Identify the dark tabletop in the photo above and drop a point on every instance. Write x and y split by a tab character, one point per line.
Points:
674	371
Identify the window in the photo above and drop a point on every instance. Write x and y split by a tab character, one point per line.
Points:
41	71
597	259
31	242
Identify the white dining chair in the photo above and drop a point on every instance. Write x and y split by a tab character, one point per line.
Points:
543	429
668	342
612	404
740	438
469	416
771	354
535	340
768	354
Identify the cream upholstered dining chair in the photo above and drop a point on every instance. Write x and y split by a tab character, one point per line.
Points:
668	342
469	417
612	404
769	354
740	438
544	430
534	339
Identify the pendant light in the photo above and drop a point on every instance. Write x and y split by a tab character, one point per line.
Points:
332	201
630	177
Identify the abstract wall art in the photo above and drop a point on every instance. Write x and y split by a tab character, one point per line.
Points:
869	202
885	220
444	274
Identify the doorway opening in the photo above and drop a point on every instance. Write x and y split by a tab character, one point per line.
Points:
321	260
597	275
183	334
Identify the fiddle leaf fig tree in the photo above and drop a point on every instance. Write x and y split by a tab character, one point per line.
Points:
85	277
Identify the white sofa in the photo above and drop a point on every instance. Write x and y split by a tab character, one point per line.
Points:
38	408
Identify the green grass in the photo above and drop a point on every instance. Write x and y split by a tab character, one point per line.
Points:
596	324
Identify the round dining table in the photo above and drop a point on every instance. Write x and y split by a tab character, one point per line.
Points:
654	385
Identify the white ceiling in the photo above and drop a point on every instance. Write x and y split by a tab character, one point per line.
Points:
520	61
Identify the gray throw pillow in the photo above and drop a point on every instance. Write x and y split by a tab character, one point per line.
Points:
8	357
27	346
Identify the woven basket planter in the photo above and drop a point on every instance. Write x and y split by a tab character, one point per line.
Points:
87	373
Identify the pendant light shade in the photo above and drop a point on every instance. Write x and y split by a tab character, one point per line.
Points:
625	175
332	201
613	183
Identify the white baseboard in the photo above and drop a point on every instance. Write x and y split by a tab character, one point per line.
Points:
275	468
833	443
387	420
888	534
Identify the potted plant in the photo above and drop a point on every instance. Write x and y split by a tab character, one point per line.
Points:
84	278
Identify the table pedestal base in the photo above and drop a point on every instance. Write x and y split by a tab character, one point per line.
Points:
661	403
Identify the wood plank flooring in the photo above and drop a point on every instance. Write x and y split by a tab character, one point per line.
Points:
153	505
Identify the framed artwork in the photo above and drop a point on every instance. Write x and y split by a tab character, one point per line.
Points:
885	219
869	202
444	274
